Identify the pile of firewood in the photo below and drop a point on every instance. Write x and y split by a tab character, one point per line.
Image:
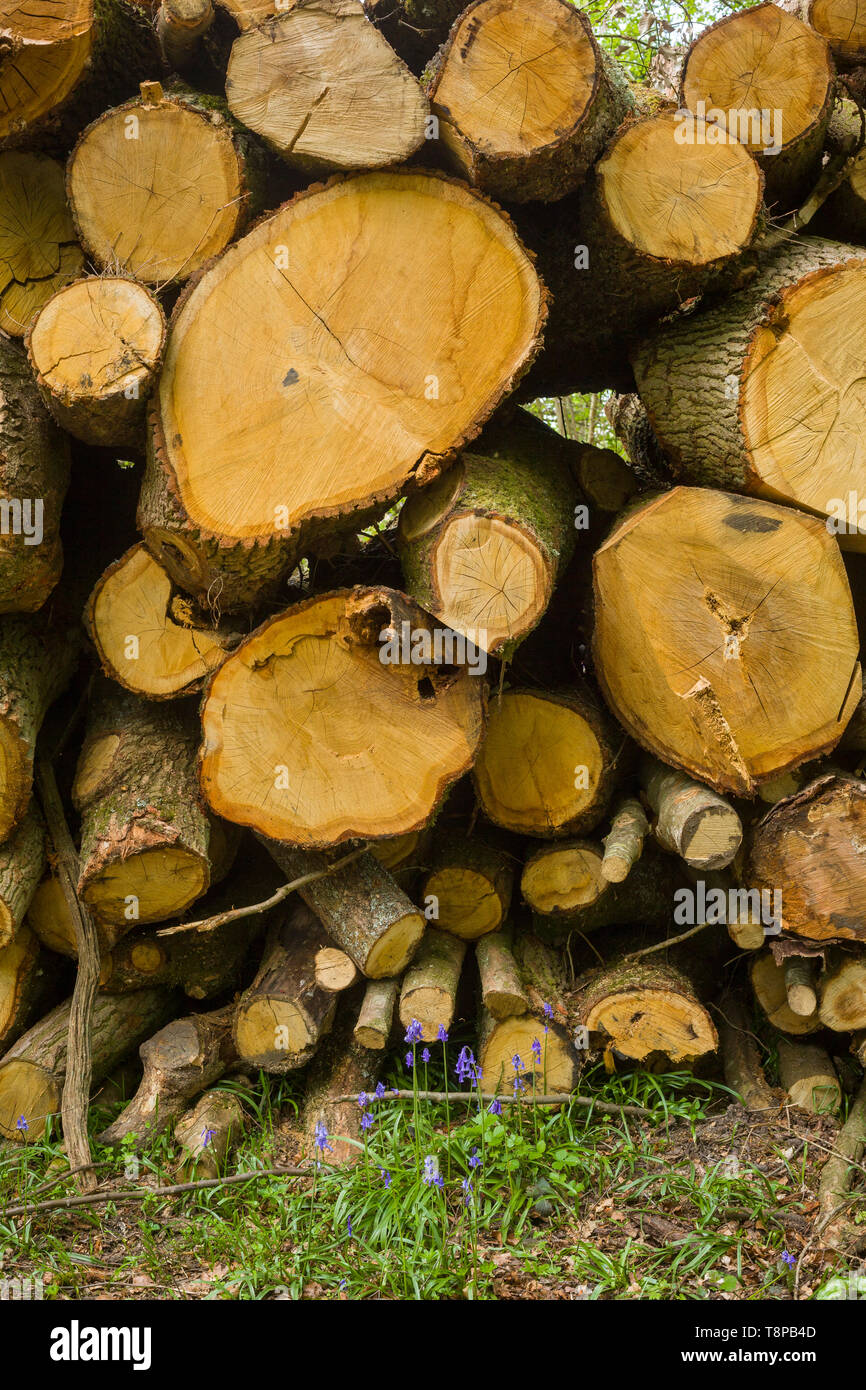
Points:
296	592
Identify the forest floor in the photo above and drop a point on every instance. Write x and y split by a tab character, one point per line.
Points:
702	1201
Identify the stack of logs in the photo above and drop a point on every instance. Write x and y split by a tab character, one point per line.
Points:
516	710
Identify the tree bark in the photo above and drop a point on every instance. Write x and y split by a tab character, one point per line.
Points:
429	989
376	1016
284	1013
526	99
37	236
144	836
691	820
33	1070
470	881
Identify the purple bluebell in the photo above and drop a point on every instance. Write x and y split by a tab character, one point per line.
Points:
431	1172
467	1191
474	1160
408	1060
21	1124
536	1049
495	1107
367	1120
517	1062
362	1099
386	1177
414	1033
789	1259
442	1034
380	1091
322	1137
465	1064
206	1136
425	1055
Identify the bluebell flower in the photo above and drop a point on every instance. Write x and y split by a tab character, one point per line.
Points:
362	1099
206	1136
789	1259
474	1160
380	1091
425	1055
467	1191
349	1227
367	1119
442	1034
386	1177
322	1137
414	1033
408	1060
465	1064
548	1015
22	1124
518	1086
431	1171
536	1049
516	1062
495	1107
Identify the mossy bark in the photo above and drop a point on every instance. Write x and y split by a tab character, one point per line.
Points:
136	788
429	991
22	861
33	1070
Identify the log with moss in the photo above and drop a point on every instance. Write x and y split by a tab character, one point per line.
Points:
144	834
483	547
283	1014
644	1007
32	1072
757	393
533	1049
360	906
428	995
525	99
180	1061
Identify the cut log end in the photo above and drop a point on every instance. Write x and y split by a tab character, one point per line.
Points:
257	465
152	885
762	60
513	1037
95	348
39	251
136	206
28	1094
563	877
642	1021
323	88
688	201
380	742
141	643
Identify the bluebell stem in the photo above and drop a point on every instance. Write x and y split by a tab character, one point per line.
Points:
442	1034
21	1124
474	1160
536	1049
425	1055
322	1137
495	1107
380	1091
414	1032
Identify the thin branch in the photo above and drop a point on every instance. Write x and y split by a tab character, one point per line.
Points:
606	1107
141	1194
232	915
663	945
79	1068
